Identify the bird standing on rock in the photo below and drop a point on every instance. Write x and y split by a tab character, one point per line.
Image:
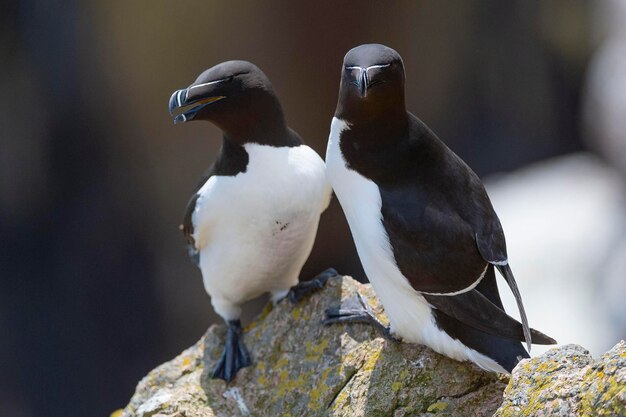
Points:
423	225
252	222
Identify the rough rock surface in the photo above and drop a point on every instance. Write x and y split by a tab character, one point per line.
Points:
568	382
303	368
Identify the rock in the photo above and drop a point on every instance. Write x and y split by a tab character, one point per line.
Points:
303	368
568	382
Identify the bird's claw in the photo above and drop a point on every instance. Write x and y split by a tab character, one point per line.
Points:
357	310
304	288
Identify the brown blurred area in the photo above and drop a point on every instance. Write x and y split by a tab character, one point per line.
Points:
95	284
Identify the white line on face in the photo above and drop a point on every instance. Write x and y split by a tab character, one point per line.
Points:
377	66
205	84
368	68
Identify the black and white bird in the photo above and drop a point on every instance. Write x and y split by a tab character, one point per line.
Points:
423	225
252	222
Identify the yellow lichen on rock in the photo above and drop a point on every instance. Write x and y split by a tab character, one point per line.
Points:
567	381
437	407
604	385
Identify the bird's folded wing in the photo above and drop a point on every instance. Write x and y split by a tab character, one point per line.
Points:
475	310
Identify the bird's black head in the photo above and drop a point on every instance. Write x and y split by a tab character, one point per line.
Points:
235	95
372	83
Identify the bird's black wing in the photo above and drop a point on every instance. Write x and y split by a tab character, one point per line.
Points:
187	226
433	246
444	232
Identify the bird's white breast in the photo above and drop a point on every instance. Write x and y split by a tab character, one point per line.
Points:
255	230
409	313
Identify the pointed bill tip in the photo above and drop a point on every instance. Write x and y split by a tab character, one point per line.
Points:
181	118
177	99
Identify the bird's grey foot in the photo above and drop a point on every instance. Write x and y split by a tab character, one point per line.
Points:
234	356
304	288
357	310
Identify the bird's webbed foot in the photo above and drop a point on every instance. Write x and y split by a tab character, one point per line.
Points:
357	310
304	288
234	356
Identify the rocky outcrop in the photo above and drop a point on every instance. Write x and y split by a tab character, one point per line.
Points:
568	382
303	368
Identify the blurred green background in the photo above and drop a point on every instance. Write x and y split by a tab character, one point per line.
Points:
95	284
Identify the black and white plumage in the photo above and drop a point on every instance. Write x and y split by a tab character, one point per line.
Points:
252	222
423	225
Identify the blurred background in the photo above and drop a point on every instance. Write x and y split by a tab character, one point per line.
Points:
95	285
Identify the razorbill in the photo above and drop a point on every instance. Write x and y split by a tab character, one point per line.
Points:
423	225
251	224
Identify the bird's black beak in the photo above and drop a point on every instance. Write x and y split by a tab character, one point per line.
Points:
363	82
179	100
